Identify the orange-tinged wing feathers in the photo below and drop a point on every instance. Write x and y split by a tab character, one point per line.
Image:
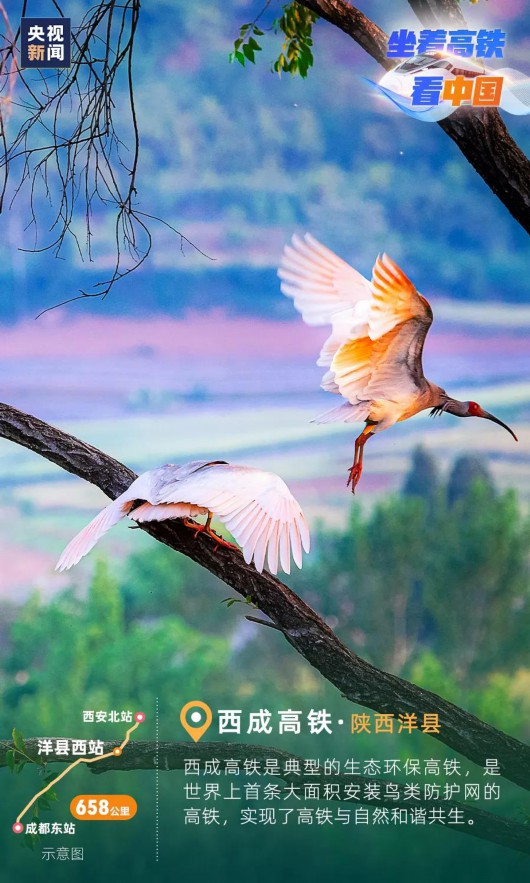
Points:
394	299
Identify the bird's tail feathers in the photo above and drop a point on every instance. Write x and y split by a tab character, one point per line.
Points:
345	413
87	538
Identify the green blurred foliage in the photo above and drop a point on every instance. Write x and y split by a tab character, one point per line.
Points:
431	570
86	647
295	24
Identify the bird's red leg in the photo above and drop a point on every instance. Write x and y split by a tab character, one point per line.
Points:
357	466
206	528
197	528
219	540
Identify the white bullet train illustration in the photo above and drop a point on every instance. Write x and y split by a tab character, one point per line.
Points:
397	84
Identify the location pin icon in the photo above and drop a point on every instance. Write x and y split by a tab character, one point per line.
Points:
198	721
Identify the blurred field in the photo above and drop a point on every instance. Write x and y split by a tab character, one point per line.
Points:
239	389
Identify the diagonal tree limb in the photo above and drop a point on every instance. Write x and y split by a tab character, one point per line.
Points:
439	13
140	755
479	133
357	680
356	24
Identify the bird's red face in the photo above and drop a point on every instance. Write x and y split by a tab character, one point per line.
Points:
474	410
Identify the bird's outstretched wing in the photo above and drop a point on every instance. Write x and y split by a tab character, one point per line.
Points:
142	488
386	363
256	507
395	300
320	283
378	327
326	291
87	538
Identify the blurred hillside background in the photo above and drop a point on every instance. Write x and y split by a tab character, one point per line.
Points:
202	356
236	159
425	571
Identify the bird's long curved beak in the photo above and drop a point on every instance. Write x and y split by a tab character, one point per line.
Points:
489	416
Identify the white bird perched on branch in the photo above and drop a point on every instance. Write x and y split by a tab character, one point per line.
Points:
257	507
374	353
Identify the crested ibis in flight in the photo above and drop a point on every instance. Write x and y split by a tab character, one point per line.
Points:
373	355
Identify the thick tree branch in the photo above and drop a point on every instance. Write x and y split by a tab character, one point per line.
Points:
357	680
173	756
480	133
438	13
354	23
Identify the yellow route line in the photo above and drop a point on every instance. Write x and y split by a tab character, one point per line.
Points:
116	752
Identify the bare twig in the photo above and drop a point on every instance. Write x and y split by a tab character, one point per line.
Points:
67	151
271	625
